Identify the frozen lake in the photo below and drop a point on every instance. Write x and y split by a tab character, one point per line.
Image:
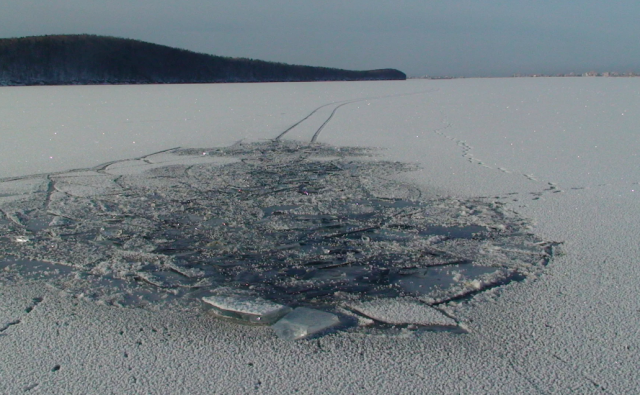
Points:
542	174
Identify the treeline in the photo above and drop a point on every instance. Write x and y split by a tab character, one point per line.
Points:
89	59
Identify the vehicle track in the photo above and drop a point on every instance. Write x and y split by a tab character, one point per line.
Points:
340	104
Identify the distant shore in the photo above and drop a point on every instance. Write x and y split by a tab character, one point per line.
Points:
588	74
96	60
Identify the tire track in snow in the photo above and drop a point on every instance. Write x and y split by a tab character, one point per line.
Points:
99	168
102	168
340	104
281	135
317	133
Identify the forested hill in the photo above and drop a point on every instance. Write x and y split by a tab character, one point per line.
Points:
88	59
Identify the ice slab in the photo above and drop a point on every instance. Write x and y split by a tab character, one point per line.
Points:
402	311
361	320
247	308
304	322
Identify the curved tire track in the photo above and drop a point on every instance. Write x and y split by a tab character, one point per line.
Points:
340	104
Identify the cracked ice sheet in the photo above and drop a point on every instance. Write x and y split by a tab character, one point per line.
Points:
167	228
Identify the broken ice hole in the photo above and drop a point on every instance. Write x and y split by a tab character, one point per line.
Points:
295	225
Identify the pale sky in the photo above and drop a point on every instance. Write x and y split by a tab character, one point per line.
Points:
419	37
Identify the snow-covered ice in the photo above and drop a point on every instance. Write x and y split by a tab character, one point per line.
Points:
549	160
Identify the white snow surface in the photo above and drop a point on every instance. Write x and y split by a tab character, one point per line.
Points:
560	151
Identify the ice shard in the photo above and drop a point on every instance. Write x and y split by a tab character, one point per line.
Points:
304	322
249	309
